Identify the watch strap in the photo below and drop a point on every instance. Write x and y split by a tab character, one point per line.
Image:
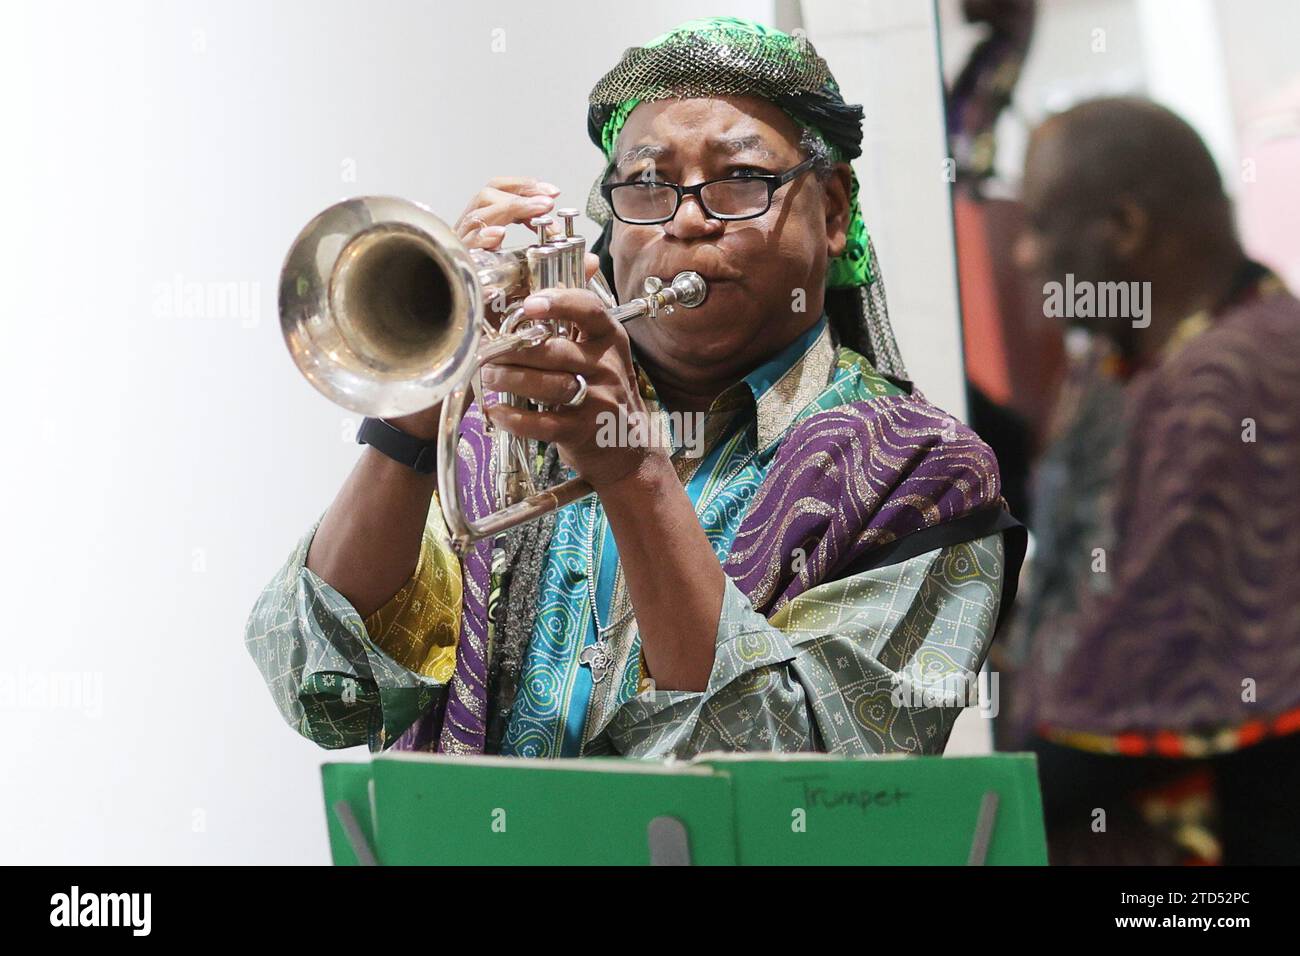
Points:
415	453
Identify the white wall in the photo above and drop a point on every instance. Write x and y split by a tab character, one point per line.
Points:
1259	50
885	56
1263	76
163	455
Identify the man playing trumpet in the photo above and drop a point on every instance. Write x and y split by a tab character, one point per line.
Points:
826	575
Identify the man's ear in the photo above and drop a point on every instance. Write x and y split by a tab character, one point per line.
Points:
838	188
1130	228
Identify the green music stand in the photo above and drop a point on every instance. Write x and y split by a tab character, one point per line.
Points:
718	809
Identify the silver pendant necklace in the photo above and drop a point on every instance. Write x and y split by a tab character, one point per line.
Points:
600	656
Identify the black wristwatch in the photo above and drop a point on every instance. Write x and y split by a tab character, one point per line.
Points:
413	452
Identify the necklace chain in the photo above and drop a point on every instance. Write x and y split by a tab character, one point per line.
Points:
591	544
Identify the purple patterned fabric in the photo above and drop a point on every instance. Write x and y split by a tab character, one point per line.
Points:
1201	592
851	479
464	724
844	481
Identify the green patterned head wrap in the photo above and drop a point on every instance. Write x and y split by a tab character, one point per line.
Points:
729	56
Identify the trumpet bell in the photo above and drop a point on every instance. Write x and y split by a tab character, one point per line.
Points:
379	306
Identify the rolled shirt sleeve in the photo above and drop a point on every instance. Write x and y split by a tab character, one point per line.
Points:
879	662
340	681
753	700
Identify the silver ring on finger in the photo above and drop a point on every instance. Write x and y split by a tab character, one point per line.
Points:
581	396
469	219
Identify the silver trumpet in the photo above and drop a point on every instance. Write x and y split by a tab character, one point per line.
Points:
386	312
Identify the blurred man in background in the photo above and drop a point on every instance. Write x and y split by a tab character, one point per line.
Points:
1158	650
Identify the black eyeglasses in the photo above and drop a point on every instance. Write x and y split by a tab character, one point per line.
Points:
734	197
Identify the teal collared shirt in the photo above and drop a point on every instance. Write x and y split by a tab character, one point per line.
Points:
553	711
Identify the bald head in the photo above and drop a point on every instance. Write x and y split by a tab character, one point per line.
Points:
1123	190
1106	149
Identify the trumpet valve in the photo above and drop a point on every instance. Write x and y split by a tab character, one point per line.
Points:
568	215
541	224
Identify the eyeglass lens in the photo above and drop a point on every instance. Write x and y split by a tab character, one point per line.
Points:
726	198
